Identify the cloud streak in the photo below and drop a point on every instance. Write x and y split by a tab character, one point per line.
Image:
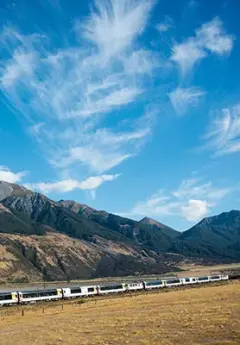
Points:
223	135
91	184
166	25
66	94
210	38
192	200
183	98
125	19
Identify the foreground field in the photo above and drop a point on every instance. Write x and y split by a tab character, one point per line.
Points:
203	315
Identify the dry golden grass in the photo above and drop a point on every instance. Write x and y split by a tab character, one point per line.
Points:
197	270
203	315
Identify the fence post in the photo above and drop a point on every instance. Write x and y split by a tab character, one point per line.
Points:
22	312
43	310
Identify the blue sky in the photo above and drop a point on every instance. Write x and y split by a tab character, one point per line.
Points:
128	106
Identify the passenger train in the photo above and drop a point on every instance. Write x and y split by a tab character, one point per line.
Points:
32	296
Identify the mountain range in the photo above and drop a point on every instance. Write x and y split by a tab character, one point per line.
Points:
42	239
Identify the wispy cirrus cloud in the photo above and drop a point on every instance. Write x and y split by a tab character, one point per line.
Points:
66	94
102	149
192	200
125	19
183	98
196	188
165	25
223	135
210	38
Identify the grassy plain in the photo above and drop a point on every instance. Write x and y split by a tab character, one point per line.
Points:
206	314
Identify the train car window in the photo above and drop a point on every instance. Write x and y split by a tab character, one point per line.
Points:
187	280
34	294
173	281
214	277
202	278
76	290
5	297
153	283
113	287
91	289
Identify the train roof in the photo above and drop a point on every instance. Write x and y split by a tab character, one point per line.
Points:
38	290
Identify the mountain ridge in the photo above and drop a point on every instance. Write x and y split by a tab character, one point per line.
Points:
28	219
156	224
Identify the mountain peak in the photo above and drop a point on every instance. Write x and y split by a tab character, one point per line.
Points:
77	207
151	221
7	189
155	224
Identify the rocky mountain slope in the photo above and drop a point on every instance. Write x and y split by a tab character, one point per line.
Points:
161	238
57	256
219	235
157	225
157	238
44	239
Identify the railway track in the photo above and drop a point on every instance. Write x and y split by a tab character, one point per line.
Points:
133	293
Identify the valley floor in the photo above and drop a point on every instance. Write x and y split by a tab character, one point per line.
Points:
187	270
208	314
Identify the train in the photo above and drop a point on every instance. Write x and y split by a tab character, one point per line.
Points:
33	296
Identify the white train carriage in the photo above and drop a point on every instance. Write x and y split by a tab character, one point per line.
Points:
78	291
105	289
173	282
8	298
135	286
224	277
189	280
154	284
40	295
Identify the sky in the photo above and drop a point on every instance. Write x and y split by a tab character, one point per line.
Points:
129	106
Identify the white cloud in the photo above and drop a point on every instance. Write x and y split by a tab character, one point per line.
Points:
212	37
209	39
195	210
8	176
194	188
140	62
186	55
157	204
22	65
166	25
183	98
102	150
223	136
95	159
66	94
192	200
114	25
91	184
